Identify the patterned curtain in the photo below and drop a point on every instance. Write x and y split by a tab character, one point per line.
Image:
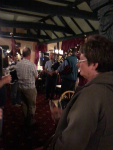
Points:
67	44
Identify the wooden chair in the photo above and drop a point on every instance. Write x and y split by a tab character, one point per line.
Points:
65	98
67	94
58	90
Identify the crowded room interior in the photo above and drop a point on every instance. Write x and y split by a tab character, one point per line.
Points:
56	75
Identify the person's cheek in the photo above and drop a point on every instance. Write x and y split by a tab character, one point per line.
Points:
78	65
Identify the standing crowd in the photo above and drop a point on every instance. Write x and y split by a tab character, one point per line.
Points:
87	122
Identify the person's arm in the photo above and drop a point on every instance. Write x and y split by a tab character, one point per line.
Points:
5	80
80	122
62	66
35	73
46	66
47	71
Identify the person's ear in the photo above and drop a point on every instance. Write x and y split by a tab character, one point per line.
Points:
94	66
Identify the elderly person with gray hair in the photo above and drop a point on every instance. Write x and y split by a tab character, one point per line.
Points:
87	121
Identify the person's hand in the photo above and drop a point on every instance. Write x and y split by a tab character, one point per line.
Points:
53	72
50	73
6	79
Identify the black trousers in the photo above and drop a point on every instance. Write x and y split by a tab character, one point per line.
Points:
67	85
50	85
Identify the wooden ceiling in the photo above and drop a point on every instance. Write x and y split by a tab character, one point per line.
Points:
47	21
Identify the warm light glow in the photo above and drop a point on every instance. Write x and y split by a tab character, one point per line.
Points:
56	51
61	52
8	51
11	33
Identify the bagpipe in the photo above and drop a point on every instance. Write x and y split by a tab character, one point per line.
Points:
68	68
79	43
58	62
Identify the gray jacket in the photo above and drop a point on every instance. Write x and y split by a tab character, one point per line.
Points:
87	121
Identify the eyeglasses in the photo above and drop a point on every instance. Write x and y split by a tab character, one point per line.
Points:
79	61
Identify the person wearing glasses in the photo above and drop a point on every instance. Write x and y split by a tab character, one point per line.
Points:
87	121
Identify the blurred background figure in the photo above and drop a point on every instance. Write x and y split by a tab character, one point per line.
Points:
68	79
50	79
15	95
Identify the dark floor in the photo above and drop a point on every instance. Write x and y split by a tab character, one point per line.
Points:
16	137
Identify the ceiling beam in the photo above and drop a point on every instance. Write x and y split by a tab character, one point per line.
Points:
90	25
20	13
40	7
47	34
56	24
52	31
23	35
77	2
71	37
22	39
66	25
77	25
52	40
62	2
39	32
31	25
46	18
